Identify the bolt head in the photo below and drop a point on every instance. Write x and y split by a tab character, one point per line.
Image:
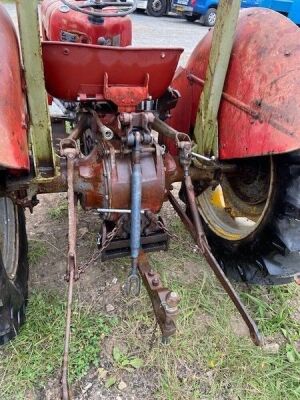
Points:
155	282
172	299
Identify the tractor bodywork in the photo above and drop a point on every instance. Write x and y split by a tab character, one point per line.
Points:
14	152
258	113
218	121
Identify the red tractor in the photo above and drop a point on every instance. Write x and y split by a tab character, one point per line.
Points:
227	127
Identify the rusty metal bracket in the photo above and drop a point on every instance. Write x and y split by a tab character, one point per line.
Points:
164	301
196	230
70	150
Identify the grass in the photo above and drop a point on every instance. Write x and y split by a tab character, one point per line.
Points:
37	249
206	360
60	212
34	356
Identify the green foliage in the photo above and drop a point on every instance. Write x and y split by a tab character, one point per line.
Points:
36	354
59	212
124	361
110	382
37	249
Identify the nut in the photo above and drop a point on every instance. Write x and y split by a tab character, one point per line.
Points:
155	282
172	299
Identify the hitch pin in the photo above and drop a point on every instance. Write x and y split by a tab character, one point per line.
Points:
203	158
117	211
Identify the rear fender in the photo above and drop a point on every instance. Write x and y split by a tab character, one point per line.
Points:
260	108
13	119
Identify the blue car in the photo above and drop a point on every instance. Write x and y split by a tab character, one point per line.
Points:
289	8
197	9
206	10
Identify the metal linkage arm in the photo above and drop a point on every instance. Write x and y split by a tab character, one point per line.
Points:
164	301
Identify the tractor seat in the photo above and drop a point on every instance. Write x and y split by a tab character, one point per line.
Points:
80	72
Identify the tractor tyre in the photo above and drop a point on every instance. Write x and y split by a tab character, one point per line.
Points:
210	17
14	269
157	8
252	220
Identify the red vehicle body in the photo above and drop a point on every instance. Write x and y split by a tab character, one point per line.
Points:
77	28
257	114
14	152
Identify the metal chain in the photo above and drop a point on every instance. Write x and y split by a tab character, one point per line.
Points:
173	236
106	243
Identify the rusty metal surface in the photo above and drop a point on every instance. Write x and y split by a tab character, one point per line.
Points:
126	97
71	152
13	117
106	183
260	108
164	302
77	71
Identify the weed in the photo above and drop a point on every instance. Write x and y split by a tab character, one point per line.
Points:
124	361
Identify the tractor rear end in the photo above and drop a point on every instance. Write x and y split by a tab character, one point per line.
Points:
229	134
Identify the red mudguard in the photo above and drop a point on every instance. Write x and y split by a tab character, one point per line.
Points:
260	108
13	129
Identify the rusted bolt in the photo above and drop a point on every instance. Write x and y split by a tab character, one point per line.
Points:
297	278
172	299
66	52
151	273
155	282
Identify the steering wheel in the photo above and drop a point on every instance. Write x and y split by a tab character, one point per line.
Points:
125	8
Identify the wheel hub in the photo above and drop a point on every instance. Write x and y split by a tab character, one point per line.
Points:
156	5
251	183
238	206
212	18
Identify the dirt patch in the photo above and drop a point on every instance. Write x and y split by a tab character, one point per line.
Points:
238	326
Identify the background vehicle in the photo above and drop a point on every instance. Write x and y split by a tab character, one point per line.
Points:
206	10
192	10
155	8
289	8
